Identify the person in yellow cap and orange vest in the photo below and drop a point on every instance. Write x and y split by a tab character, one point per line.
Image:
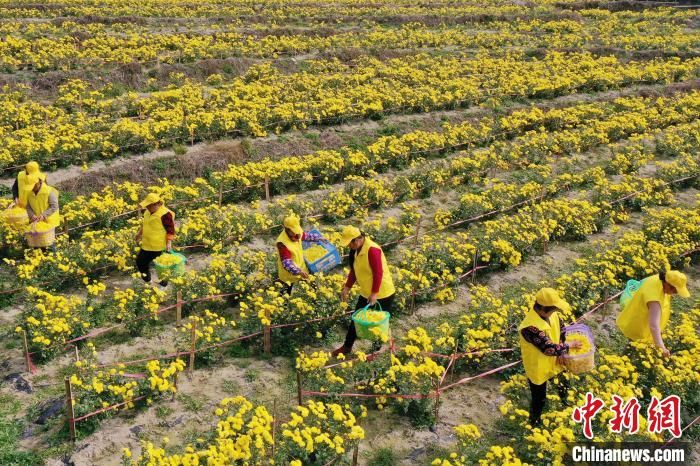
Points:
42	202
291	266
19	187
155	235
647	313
369	269
542	342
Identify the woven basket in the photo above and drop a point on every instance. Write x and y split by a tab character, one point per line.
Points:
580	363
16	217
40	239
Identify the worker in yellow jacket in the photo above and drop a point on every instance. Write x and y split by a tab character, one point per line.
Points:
19	187
41	202
155	235
647	313
291	266
369	269
542	343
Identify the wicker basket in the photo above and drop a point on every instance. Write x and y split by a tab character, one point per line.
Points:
40	239
16	217
580	363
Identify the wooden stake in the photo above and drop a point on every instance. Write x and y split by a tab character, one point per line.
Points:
417	232
77	353
544	239
194	342
70	412
476	255
174	385
413	299
299	399
437	404
267	188
267	335
355	454
27	356
274	424
221	193
356	450
178	309
605	304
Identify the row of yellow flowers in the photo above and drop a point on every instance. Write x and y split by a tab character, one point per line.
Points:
101	393
272	12
58	48
245	433
84	124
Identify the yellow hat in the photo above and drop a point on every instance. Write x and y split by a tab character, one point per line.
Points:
349	233
152	198
31	180
32	167
548	297
292	222
679	281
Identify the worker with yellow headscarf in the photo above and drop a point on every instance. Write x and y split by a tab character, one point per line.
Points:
41	202
542	342
19	187
369	269
155	235
291	266
647	313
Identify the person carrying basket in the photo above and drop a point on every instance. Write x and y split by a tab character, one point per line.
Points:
42	206
291	266
155	235
542	343
647	312
369	269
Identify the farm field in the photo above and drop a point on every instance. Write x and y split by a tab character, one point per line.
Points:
490	148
